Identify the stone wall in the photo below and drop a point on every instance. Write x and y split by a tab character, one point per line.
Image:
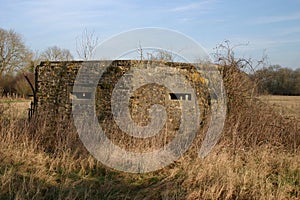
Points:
54	93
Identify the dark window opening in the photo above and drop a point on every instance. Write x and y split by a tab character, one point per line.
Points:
82	95
181	96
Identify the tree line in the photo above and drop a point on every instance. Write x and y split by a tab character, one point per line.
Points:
277	80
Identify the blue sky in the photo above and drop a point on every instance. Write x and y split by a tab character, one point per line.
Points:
270	26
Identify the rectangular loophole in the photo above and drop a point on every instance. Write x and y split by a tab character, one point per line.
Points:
82	95
181	96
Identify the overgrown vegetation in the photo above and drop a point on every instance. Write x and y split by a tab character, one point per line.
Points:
43	165
256	158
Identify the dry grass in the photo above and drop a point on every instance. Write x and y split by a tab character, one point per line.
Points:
258	157
15	108
287	105
263	173
28	170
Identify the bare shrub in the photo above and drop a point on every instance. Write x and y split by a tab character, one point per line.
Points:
251	122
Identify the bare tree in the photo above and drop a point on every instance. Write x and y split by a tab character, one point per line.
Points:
56	54
140	51
34	60
161	55
86	43
13	52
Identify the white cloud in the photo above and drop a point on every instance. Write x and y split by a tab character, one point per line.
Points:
203	6
57	14
256	43
276	19
289	31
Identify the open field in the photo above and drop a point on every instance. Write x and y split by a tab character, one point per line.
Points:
14	107
289	105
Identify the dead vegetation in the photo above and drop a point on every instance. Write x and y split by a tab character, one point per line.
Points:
256	158
286	105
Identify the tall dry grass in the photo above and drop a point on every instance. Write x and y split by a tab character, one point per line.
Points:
256	158
39	164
